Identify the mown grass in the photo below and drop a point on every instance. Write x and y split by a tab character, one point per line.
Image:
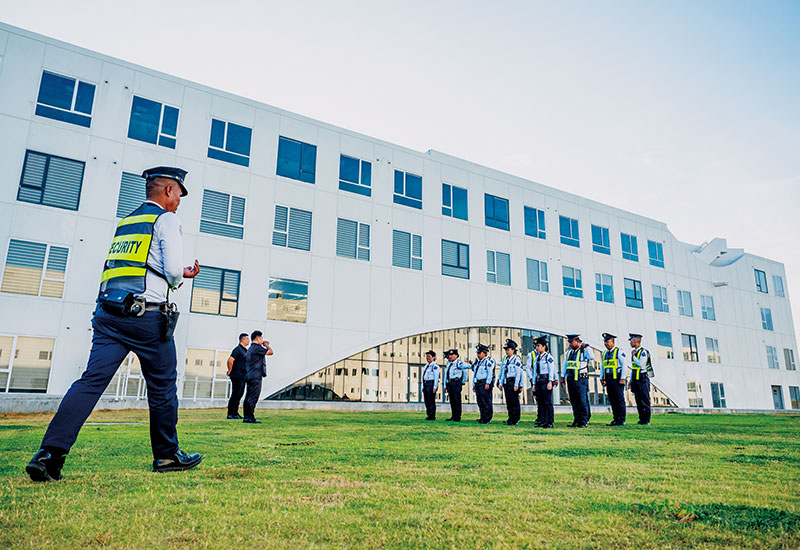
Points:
312	479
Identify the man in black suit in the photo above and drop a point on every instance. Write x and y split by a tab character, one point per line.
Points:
237	372
256	364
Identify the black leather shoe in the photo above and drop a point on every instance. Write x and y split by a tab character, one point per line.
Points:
547	426
179	461
572	425
614	423
251	421
643	423
448	419
45	466
234	417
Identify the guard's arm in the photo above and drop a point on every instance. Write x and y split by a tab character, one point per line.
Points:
170	240
230	365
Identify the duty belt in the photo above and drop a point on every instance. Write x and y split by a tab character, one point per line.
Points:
637	370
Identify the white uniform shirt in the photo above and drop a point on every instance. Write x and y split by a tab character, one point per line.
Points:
166	256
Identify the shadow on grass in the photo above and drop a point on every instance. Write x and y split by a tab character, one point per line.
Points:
747	517
761	460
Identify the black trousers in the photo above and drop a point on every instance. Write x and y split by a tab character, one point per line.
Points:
454	395
641	391
430	399
544	400
251	398
512	401
484	398
579	399
616	395
113	337
237	391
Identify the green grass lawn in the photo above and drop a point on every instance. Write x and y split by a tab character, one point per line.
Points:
314	479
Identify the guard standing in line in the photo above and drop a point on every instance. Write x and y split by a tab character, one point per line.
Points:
575	377
640	381
256	370
511	381
530	359
430	384
482	382
455	376
237	372
545	377
133	314
613	379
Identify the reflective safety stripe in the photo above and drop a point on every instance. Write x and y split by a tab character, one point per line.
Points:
638	355
142	218
612	363
637	370
130	248
574	366
123	272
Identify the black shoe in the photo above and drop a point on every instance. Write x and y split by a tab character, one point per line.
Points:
449	419
179	461
614	423
572	425
45	466
547	426
643	423
251	421
581	425
430	418
234	416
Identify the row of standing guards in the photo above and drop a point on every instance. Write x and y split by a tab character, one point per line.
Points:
544	375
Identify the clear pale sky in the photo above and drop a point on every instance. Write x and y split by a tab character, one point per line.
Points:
683	111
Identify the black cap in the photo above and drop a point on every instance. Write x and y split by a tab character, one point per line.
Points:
430	351
452	351
633	335
167	172
541	340
510	344
482	348
571	337
608	336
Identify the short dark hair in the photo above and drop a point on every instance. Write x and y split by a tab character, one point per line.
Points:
431	352
242	336
152	184
255	334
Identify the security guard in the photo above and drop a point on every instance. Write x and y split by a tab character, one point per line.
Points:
256	363
482	382
237	372
511	381
430	384
455	376
613	379
545	377
133	314
530	359
640	381
575	377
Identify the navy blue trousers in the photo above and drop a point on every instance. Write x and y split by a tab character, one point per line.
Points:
616	396
454	388
512	401
484	399
430	399
641	391
113	338
237	391
252	395
579	399
544	401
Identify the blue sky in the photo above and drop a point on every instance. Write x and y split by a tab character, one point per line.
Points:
686	112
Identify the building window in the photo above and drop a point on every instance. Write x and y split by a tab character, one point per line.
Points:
788	357
777	397
630	247
707	307
35	269
355	175
230	142
153	122
712	350
498	267
352	239
454	201
292	228
761	281
689	347
604	288
766	318
131	194
534	223
222	214
600	240
571	278
568	228
406	250
51	181
496	211
215	291
455	259
718	395
407	189
664	340
772	357
65	99
695	393
794	396
660	302
655	251
777	282
537	275
288	300
25	364
633	293
685	303
296	160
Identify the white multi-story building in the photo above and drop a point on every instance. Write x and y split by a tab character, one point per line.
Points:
353	255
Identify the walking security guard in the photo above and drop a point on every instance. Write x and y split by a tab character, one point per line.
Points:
545	377
237	372
575	377
430	384
640	381
133	315
256	362
482	382
613	378
511	381
455	376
